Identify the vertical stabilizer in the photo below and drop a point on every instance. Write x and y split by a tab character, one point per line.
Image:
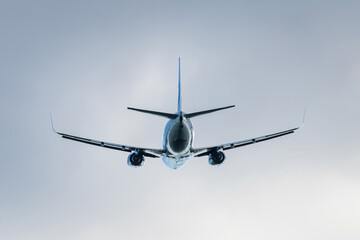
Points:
179	92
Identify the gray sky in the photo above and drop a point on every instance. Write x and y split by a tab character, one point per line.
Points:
86	61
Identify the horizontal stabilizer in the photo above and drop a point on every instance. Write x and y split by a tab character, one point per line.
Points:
194	114
162	114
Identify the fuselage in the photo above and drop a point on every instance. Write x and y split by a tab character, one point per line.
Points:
177	141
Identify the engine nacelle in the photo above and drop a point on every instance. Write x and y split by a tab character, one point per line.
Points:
135	160
216	158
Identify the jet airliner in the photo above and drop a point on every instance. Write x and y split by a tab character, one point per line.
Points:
178	139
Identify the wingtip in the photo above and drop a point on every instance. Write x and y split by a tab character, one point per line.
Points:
303	121
52	124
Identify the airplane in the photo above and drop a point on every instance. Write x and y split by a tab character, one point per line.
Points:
178	139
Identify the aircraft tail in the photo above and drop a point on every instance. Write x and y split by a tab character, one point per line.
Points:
179	107
179	92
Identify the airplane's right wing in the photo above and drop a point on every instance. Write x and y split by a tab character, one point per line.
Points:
148	152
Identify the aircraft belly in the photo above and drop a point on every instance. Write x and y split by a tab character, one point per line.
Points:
175	163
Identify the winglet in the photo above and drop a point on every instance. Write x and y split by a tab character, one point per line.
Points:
303	122
52	124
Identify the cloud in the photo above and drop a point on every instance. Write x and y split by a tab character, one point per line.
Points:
86	62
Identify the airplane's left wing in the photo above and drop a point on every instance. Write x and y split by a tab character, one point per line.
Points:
198	152
147	152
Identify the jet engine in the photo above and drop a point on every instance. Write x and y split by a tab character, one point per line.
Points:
135	160
216	158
